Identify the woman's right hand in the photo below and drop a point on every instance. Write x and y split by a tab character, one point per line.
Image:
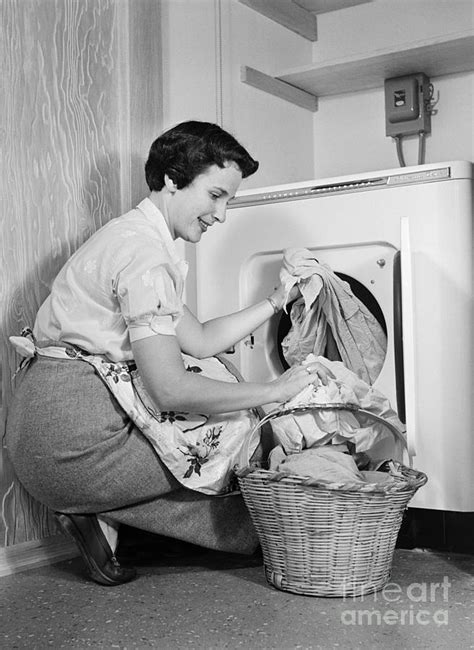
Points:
293	380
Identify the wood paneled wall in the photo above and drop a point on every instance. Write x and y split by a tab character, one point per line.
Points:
80	105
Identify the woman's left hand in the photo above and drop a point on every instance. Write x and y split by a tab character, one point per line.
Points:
281	299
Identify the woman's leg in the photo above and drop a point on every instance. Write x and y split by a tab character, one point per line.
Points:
76	451
220	523
73	447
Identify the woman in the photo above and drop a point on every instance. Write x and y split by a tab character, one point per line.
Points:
116	306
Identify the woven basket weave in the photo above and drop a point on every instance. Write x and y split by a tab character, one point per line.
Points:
327	539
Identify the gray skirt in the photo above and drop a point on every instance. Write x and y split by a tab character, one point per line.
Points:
75	450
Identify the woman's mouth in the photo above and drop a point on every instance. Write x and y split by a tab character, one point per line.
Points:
203	224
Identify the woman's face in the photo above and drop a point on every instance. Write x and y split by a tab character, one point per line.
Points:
196	207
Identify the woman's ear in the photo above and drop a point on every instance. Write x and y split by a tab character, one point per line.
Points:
170	184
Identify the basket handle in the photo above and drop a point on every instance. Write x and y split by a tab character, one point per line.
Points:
279	412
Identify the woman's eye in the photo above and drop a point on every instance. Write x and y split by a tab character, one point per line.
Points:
215	196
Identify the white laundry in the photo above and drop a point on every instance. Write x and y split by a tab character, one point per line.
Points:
323	464
327	302
298	431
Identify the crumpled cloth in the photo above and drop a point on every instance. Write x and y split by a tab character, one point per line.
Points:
329	465
327	302
298	431
199	450
323	464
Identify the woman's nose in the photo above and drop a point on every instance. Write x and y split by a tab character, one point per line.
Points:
220	213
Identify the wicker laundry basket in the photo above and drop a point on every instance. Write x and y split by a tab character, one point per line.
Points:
326	540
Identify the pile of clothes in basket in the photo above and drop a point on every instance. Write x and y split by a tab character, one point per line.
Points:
336	433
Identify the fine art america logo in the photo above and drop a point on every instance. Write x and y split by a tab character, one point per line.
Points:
421	603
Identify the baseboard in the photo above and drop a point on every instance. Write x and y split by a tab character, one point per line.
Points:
31	555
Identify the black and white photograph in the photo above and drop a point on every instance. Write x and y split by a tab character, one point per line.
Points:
236	324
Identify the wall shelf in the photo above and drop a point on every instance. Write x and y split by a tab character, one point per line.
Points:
281	89
447	54
299	15
288	14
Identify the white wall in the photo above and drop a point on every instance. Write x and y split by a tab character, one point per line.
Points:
278	132
349	129
205	42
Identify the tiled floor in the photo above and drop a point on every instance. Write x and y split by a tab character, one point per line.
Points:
199	599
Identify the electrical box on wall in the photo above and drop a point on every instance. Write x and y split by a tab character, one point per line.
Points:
407	105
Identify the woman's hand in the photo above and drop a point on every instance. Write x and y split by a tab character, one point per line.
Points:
291	382
278	295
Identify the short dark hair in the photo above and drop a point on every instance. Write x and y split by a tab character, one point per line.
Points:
188	149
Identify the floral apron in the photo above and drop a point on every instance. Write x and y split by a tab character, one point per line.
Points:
200	450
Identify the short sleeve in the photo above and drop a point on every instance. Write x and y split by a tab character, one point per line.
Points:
150	298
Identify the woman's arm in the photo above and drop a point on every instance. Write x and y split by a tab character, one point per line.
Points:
172	388
203	340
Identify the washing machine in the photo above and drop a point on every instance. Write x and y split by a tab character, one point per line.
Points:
403	240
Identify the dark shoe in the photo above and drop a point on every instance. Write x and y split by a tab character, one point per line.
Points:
102	565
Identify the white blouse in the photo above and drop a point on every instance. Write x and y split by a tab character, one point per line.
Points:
123	284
